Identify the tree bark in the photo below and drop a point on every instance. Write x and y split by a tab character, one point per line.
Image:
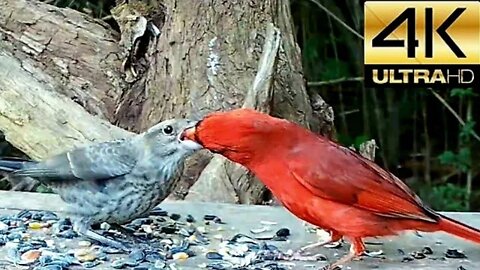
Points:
69	74
223	176
206	60
75	54
58	81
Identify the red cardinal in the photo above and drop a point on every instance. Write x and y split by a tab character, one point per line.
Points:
320	181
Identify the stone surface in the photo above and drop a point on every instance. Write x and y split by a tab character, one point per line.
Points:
242	218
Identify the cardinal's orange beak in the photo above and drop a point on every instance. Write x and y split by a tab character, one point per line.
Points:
189	134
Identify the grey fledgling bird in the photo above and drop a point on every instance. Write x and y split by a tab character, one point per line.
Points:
114	181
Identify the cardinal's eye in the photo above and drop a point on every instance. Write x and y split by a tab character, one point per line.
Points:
168	130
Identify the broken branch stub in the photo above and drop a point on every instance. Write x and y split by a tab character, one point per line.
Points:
367	149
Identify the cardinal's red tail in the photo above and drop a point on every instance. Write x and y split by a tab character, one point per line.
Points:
459	229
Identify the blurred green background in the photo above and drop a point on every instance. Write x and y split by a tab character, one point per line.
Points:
427	140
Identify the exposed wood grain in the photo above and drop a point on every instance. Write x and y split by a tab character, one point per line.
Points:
71	52
38	120
58	80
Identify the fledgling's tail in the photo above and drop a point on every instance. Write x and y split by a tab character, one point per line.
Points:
14	167
12	164
459	229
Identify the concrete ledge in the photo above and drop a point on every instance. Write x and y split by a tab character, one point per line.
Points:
242	218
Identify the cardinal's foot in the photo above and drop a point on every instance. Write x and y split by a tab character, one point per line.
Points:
356	250
332	241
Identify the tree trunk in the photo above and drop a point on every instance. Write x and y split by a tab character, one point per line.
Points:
174	59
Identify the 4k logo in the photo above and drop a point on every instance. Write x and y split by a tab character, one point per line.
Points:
422	43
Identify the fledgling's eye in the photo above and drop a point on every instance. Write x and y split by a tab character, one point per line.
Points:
168	130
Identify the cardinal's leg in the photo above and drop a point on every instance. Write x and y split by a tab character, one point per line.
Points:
334	237
356	250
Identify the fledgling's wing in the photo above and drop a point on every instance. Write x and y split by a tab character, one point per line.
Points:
94	162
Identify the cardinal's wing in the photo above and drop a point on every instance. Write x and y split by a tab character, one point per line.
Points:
337	173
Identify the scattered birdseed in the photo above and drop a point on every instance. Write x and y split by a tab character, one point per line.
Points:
180	256
40	240
105	226
84	243
408	258
269	223
50	243
283	232
190	218
147	228
85	255
137	255
3	227
427	251
455	254
209	217
36	225
212	255
158	212
169	229
201	229
374	254
159	264
175	216
31	256
218	220
260	230
91	264
418	255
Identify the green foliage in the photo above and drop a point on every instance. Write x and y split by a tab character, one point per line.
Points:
333	69
44	189
447	197
355	141
466	131
359	140
462	92
4	185
461	160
